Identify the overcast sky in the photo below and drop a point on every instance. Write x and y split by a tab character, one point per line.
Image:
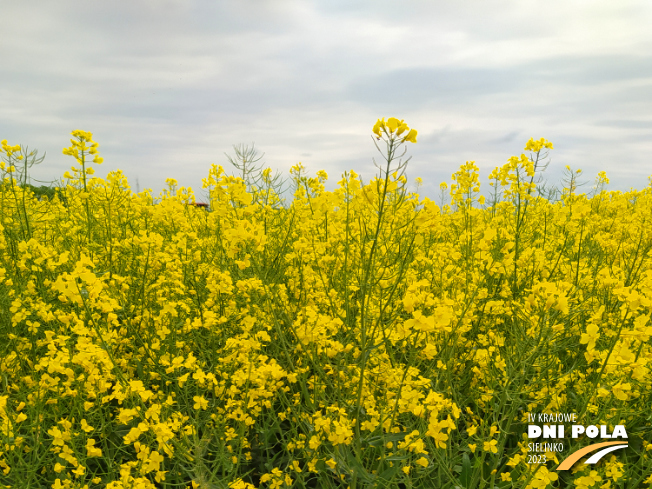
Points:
168	86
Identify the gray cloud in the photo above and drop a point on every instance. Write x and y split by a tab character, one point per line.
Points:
167	86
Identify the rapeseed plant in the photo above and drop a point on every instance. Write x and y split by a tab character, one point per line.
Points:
360	337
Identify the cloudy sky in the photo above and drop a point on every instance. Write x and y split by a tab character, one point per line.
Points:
167	87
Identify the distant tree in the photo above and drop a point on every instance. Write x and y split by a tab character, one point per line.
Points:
43	191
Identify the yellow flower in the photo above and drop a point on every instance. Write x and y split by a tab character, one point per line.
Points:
240	484
200	402
86	427
378	126
91	450
490	446
393	124
411	136
314	442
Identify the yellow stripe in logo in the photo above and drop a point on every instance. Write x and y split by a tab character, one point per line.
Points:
570	461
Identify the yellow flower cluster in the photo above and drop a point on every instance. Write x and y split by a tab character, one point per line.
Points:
356	337
393	128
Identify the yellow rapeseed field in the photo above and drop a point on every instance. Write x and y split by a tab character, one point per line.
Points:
354	338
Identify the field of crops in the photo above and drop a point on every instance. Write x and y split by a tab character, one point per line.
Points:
361	337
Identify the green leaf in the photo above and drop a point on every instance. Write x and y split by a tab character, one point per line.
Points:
465	476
